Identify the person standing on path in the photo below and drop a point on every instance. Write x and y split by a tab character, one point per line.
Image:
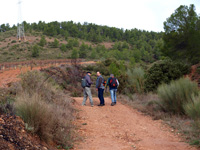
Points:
87	90
100	88
113	84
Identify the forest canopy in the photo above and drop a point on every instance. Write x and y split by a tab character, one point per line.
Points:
182	35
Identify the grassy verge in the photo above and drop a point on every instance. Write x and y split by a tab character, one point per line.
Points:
149	104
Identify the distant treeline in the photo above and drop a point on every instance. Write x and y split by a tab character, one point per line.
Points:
132	44
88	31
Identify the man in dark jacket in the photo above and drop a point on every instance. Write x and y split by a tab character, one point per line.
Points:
100	88
113	84
87	90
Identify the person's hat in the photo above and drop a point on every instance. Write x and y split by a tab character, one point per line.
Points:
89	72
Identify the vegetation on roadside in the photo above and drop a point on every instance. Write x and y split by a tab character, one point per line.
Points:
43	106
178	93
136	78
67	77
163	72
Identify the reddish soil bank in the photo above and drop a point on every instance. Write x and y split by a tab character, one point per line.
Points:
9	76
13	136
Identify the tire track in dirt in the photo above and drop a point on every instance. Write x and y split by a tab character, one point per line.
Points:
122	128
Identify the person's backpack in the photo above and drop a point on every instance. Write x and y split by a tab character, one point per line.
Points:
83	82
104	82
113	82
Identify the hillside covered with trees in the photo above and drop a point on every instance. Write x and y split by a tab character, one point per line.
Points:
180	41
134	45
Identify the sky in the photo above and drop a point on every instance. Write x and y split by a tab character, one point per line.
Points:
127	14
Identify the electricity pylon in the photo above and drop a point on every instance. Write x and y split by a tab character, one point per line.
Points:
20	25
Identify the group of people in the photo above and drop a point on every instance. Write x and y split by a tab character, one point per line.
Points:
101	84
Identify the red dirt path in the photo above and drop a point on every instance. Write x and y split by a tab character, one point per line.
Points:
123	128
9	76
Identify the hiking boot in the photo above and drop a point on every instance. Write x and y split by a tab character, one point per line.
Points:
83	105
101	105
92	105
112	104
115	103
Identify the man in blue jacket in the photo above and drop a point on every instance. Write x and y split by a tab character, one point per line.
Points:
87	90
100	88
113	84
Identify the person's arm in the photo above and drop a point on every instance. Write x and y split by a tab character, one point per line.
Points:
88	80
117	83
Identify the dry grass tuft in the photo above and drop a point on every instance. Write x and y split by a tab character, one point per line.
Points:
174	95
44	108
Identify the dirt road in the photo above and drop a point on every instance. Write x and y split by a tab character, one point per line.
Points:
122	128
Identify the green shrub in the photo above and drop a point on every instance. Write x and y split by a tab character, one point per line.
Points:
100	48
43	118
14	47
34	111
42	41
35	51
55	43
123	83
108	61
76	43
93	54
83	50
5	53
114	69
164	72
183	67
198	70
136	79
74	54
192	108
13	41
193	111
27	42
175	95
6	102
63	48
70	44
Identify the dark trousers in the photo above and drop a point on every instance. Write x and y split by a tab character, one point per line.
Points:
100	95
